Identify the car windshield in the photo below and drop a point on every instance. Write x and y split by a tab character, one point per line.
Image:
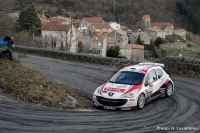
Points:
127	77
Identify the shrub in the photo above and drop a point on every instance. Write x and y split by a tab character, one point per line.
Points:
158	41
113	51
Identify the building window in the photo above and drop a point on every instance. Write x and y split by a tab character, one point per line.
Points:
99	44
45	36
118	41
116	27
96	52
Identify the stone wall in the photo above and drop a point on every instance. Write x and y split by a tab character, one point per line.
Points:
182	66
173	65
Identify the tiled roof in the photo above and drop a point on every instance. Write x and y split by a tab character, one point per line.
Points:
161	25
131	46
55	19
55	27
94	20
102	26
99	34
122	32
146	16
123	27
153	29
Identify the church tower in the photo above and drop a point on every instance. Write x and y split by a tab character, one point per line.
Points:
146	21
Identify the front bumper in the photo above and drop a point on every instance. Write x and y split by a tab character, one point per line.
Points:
114	104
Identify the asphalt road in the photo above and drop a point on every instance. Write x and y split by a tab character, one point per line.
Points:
86	43
178	113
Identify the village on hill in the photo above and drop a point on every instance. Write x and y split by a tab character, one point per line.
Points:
95	36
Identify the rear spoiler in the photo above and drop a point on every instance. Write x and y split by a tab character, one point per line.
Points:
150	63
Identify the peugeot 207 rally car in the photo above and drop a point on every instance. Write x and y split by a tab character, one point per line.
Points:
133	87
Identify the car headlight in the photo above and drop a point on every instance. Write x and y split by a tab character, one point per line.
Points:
99	91
131	94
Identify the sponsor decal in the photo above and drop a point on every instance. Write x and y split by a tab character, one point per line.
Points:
162	90
146	91
114	89
149	91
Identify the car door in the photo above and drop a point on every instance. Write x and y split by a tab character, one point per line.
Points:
151	84
161	80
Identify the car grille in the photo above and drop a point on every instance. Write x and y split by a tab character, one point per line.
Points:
111	102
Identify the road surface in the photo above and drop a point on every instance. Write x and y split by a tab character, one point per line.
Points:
180	112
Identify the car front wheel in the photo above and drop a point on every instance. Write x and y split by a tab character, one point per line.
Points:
169	89
141	101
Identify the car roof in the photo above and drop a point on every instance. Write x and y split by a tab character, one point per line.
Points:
142	67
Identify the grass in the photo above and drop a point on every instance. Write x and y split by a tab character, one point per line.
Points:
193	44
184	53
32	86
192	52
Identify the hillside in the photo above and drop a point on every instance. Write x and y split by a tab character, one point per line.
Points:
32	86
127	12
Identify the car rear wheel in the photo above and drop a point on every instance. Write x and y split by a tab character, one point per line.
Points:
169	89
141	101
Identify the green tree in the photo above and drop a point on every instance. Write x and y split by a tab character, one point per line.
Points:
139	41
113	51
28	18
158	41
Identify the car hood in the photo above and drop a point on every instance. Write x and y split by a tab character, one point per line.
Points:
116	90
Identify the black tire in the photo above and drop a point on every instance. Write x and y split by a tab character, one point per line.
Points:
141	101
169	89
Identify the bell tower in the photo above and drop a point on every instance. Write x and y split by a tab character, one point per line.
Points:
146	21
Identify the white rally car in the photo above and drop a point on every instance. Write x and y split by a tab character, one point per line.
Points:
133	87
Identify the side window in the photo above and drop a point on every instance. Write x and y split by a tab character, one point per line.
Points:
159	72
151	77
